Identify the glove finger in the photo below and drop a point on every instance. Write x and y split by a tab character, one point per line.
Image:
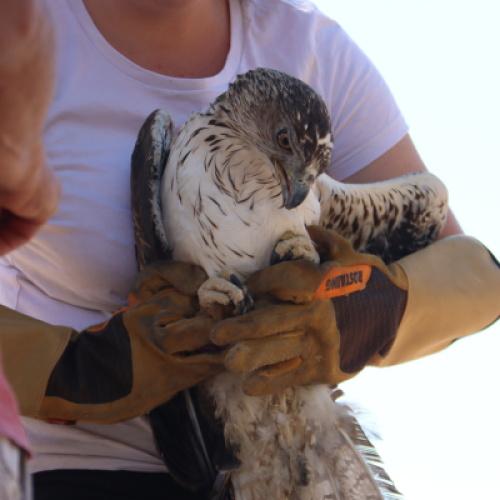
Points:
273	379
329	244
333	247
184	277
186	335
261	323
195	369
248	356
168	306
294	280
171	302
205	363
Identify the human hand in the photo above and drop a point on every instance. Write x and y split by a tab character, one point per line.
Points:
315	324
29	191
155	347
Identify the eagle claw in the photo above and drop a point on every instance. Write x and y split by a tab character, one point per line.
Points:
226	289
292	247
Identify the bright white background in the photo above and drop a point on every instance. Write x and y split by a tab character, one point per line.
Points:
439	417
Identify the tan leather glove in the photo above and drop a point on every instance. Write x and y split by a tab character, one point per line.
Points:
112	372
323	324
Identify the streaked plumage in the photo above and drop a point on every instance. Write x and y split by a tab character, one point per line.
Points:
239	175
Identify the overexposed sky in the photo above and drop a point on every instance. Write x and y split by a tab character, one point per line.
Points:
439	416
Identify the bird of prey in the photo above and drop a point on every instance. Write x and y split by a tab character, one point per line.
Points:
232	191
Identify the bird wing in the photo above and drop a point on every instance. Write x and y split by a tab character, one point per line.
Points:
191	445
391	218
148	163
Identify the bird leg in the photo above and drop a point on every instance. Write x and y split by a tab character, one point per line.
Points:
225	288
292	247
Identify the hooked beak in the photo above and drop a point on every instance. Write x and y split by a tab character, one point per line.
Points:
294	191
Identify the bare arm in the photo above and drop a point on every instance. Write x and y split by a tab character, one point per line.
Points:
401	159
29	191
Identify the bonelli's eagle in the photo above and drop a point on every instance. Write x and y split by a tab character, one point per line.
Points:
231	191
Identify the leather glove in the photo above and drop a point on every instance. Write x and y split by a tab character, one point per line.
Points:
323	324
140	358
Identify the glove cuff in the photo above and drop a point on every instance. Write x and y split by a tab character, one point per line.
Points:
367	327
453	291
29	362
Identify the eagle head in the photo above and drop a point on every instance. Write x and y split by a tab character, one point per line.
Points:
287	122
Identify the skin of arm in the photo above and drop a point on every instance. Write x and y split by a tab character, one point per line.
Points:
29	191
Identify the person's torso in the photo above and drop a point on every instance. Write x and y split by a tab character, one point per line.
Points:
81	265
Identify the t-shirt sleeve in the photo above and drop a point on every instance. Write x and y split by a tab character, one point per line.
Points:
366	120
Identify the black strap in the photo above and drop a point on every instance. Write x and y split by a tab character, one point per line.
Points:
109	485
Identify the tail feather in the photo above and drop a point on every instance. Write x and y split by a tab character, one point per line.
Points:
374	463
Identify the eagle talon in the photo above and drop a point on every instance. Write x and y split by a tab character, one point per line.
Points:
245	305
226	289
292	247
276	258
236	281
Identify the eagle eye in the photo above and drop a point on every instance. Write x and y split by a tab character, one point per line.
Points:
283	140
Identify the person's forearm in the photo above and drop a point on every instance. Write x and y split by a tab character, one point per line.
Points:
324	324
17	25
141	357
454	291
26	81
29	191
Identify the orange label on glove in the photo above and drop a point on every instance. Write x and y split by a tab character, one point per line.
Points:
343	281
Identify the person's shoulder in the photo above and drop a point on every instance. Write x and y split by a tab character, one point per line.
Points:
300	20
297	28
302	9
304	6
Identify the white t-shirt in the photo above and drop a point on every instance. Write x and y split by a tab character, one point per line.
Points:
81	265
